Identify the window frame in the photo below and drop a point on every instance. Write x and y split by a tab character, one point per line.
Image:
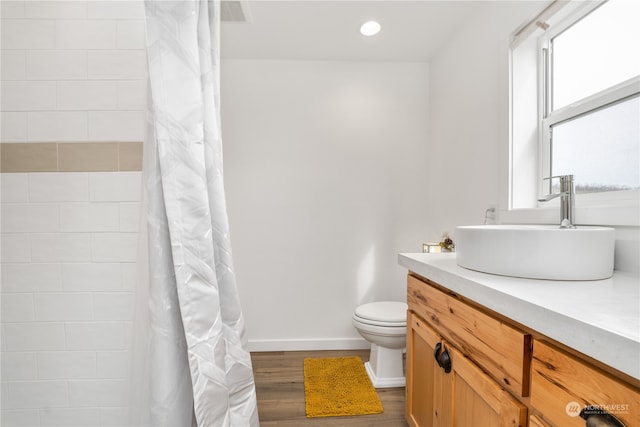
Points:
604	208
548	117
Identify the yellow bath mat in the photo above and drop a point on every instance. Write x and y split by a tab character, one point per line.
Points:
338	386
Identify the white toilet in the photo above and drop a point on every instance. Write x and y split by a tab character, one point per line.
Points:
384	325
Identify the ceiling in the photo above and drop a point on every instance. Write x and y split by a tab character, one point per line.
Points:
329	29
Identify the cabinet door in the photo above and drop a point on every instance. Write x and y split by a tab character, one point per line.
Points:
422	373
478	399
465	396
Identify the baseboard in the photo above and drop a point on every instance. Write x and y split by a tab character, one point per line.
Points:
308	344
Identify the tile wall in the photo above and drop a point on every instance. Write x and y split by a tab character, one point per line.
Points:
69	244
73	71
73	98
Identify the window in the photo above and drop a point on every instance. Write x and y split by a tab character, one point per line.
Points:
600	148
575	108
590	121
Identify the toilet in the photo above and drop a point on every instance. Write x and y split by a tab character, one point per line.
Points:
384	325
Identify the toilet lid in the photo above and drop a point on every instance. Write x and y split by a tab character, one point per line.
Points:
383	311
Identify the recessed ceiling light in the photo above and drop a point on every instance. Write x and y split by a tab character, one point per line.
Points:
370	28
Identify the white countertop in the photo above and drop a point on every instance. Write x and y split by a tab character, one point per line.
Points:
598	318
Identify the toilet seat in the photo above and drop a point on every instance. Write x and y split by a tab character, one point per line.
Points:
384	313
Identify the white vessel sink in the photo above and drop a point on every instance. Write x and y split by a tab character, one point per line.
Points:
537	251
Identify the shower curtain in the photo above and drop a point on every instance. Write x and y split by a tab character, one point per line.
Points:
190	365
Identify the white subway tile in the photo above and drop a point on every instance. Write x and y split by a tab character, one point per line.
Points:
52	9
112	417
28	96
34	336
4	403
19	417
97	335
49	126
131	34
89	217
54	365
97	393
16	247
88	34
130	276
117	65
19	366
28	34
87	95
31	277
63	306
116	125
113	306
37	394
24	217
131	9
13	65
71	417
59	187
92	277
129	217
132	95
56	65
115	186
61	247
114	247
17	308
14	187
14	126
12	9
113	364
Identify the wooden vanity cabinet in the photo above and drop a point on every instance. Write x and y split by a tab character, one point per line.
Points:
499	375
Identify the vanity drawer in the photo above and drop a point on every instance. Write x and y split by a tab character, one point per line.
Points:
501	350
562	385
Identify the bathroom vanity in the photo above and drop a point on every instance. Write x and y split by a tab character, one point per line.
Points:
493	350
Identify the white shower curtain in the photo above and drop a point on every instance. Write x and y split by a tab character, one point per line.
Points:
190	366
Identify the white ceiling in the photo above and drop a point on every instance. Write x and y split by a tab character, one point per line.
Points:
329	29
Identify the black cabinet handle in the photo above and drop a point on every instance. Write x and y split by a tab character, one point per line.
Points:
436	352
443	359
596	417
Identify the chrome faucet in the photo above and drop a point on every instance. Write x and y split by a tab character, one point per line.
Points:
566	194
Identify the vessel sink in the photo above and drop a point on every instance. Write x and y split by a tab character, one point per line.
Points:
537	251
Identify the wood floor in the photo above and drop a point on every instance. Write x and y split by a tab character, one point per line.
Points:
280	390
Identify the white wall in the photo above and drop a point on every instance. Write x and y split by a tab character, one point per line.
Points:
469	116
325	166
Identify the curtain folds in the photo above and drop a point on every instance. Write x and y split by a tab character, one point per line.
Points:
191	365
